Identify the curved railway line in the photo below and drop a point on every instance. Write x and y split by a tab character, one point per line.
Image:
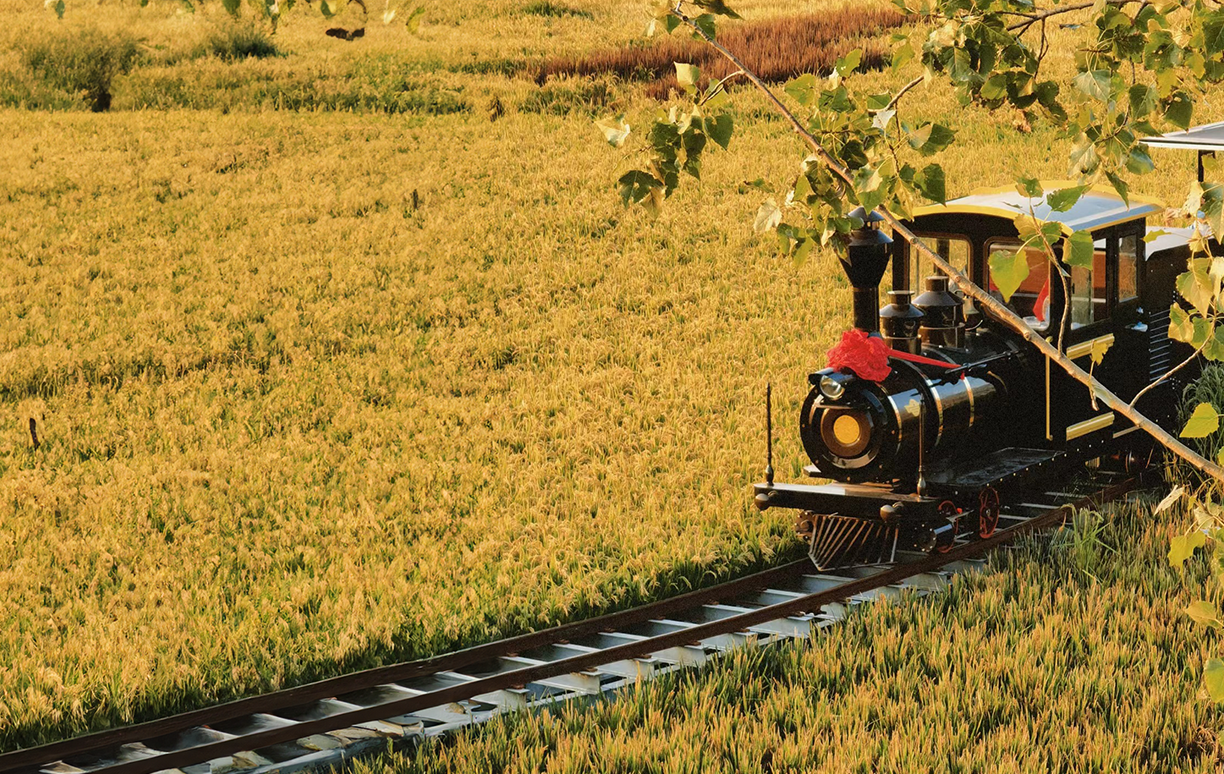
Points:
323	723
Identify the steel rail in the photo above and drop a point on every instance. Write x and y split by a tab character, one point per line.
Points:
30	759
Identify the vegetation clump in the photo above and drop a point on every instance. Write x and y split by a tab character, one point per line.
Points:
233	42
549	9
83	64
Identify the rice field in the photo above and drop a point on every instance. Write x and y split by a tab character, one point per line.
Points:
349	353
1071	653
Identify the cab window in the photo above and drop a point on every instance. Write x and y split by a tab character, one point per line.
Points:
1032	299
1089	292
1128	268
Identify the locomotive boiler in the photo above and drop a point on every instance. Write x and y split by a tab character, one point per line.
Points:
963	413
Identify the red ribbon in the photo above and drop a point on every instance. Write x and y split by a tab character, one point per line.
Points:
899	355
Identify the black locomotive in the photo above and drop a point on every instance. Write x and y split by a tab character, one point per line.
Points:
968	414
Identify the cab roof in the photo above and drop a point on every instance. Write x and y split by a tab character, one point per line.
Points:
1099	207
1209	137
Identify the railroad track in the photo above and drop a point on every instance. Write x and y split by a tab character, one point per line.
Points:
326	722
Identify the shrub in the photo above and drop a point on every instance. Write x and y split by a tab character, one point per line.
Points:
83	64
241	41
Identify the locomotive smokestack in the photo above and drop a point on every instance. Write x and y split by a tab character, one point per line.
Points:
865	261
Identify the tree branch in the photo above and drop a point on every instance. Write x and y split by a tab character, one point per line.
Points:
1172	370
893	102
984	299
1040	16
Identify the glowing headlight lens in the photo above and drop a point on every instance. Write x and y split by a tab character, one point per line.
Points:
831	388
846	434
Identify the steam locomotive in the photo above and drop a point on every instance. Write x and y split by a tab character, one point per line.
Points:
968	414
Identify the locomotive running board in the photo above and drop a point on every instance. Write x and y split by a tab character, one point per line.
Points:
845	499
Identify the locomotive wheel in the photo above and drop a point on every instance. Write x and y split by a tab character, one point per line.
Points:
948	510
988	512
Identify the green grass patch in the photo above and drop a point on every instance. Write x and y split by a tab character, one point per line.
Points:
232	42
77	67
549	9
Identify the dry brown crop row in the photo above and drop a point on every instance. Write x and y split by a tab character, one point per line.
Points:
776	49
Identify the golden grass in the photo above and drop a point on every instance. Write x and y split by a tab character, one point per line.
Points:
320	390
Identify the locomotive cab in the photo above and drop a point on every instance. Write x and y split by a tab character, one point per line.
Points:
1119	310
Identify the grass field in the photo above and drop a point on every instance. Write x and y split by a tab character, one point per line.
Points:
326	387
1070	654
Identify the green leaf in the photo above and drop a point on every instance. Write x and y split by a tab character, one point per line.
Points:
1204	612
1065	198
879	101
1030	187
849	63
1008	270
802	250
902	56
1094	83
231	6
615	130
803	88
930	138
1179	109
636	186
1213	31
760	183
1202	423
1120	186
687	76
1213	679
768	217
1196	286
995	87
1084	158
1181	547
1080	249
707	23
56	6
719	129
1213	206
1143	100
413	22
1183	327
1212	337
717	6
931	183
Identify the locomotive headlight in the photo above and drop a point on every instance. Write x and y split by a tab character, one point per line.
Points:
846	433
831	387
